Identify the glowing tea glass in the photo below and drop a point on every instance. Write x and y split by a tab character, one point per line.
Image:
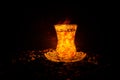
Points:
66	35
66	49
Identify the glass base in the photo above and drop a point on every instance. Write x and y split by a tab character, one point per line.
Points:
52	56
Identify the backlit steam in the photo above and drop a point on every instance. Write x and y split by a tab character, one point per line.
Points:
66	49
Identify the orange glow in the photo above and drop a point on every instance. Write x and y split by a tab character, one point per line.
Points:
66	34
66	49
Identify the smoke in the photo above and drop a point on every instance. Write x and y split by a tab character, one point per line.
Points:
65	21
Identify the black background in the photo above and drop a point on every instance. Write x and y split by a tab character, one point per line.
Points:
34	29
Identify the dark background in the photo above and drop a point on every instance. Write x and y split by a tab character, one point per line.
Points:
34	30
